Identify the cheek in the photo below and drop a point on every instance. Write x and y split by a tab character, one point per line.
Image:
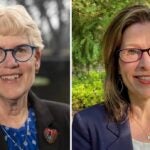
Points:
127	68
122	68
30	65
29	71
127	71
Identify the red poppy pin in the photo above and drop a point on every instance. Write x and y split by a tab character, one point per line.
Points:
50	135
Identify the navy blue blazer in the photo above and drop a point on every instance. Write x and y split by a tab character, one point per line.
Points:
93	131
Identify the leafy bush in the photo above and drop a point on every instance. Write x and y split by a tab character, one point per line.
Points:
87	89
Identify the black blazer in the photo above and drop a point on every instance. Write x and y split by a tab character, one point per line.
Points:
93	131
48	115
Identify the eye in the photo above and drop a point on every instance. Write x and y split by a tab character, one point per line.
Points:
22	49
133	51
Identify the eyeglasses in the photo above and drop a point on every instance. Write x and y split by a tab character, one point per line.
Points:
21	53
132	54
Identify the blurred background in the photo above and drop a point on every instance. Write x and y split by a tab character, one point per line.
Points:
53	18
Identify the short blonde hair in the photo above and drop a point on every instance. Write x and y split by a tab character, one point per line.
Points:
15	20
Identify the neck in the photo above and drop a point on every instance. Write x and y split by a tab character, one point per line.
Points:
142	115
140	107
139	118
13	113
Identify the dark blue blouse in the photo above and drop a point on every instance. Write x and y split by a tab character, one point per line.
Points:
24	138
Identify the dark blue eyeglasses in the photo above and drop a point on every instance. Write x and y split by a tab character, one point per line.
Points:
21	53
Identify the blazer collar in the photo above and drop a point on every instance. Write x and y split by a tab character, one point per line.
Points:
122	136
44	120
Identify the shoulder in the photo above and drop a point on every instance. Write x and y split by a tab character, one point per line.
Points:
59	111
94	117
95	112
93	109
53	106
46	108
89	126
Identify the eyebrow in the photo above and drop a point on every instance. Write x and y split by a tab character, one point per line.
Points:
16	46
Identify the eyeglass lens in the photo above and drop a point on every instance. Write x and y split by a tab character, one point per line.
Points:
132	55
20	53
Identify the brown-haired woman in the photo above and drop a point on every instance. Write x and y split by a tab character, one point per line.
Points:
122	123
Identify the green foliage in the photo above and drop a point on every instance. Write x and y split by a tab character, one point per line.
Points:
87	89
90	19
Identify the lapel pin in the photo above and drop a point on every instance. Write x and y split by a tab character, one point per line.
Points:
50	135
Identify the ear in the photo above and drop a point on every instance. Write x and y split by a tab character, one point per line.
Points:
38	54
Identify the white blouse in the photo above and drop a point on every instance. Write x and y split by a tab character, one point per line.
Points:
138	145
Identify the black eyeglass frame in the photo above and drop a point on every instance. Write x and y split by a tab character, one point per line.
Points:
14	50
140	56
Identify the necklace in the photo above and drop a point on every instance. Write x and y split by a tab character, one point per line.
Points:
15	143
141	127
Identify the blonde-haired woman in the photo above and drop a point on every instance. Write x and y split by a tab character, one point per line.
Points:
26	122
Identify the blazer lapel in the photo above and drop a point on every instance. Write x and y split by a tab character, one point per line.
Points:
3	144
122	137
44	120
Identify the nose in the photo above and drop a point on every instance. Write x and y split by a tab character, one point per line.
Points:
10	61
145	61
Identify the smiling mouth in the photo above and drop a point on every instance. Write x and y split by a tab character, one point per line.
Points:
10	77
144	79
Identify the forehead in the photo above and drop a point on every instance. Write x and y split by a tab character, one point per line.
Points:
12	41
136	34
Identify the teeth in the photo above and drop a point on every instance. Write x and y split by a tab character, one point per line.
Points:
10	77
145	78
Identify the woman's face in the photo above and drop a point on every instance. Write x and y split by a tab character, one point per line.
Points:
136	75
16	78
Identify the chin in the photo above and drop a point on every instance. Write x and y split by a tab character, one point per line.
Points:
12	95
145	95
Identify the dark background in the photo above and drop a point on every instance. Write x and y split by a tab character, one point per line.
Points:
57	72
